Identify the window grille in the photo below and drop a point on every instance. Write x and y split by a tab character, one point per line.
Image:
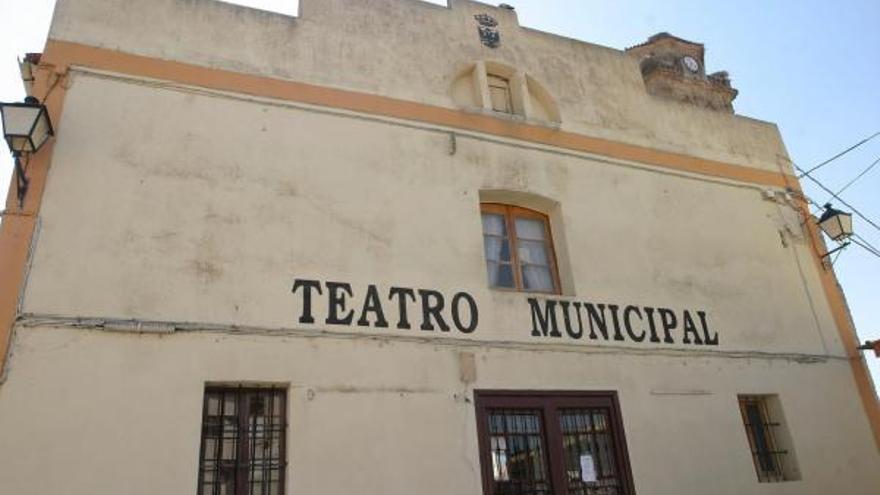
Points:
769	459
243	441
552	443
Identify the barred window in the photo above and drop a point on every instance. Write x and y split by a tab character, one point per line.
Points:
243	441
552	443
519	249
768	438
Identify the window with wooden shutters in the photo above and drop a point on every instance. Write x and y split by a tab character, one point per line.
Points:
552	443
518	249
243	441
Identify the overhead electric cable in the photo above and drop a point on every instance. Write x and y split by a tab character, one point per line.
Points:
835	157
867	245
866	248
844	188
835	196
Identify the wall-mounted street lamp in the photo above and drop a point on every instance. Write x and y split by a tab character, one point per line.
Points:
837	225
26	126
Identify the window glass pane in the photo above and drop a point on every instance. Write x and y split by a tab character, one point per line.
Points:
529	228
493	224
518	453
496	248
500	275
537	278
533	252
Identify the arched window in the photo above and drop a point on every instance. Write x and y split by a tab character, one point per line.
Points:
519	249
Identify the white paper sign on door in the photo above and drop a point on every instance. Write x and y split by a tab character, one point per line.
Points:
588	469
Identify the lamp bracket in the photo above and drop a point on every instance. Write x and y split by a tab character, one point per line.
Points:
838	248
22	182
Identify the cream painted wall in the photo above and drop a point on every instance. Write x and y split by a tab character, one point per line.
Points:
209	220
212	218
414	50
95	412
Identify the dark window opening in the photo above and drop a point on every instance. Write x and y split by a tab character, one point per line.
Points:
772	462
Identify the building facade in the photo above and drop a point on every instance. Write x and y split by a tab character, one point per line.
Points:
392	247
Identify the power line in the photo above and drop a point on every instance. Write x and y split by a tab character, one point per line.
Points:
860	175
866	248
838	198
835	157
867	245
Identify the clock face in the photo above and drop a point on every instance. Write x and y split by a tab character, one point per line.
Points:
691	64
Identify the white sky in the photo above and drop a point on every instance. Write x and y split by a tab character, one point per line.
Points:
810	66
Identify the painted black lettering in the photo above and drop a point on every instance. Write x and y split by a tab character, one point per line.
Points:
649	314
577	309
472	310
372	304
627	323
432	309
690	329
401	294
544	323
709	340
307	286
597	320
336	293
616	321
567	318
668	320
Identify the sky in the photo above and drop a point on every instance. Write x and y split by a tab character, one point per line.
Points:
810	66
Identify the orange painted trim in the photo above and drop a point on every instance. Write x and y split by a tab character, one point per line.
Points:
19	222
64	54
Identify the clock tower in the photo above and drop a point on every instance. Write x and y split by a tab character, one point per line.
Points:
674	68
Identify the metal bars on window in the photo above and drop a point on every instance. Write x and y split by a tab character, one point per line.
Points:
544	443
519	462
768	458
243	441
587	440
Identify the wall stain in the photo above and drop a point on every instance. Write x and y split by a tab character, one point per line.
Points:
207	271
